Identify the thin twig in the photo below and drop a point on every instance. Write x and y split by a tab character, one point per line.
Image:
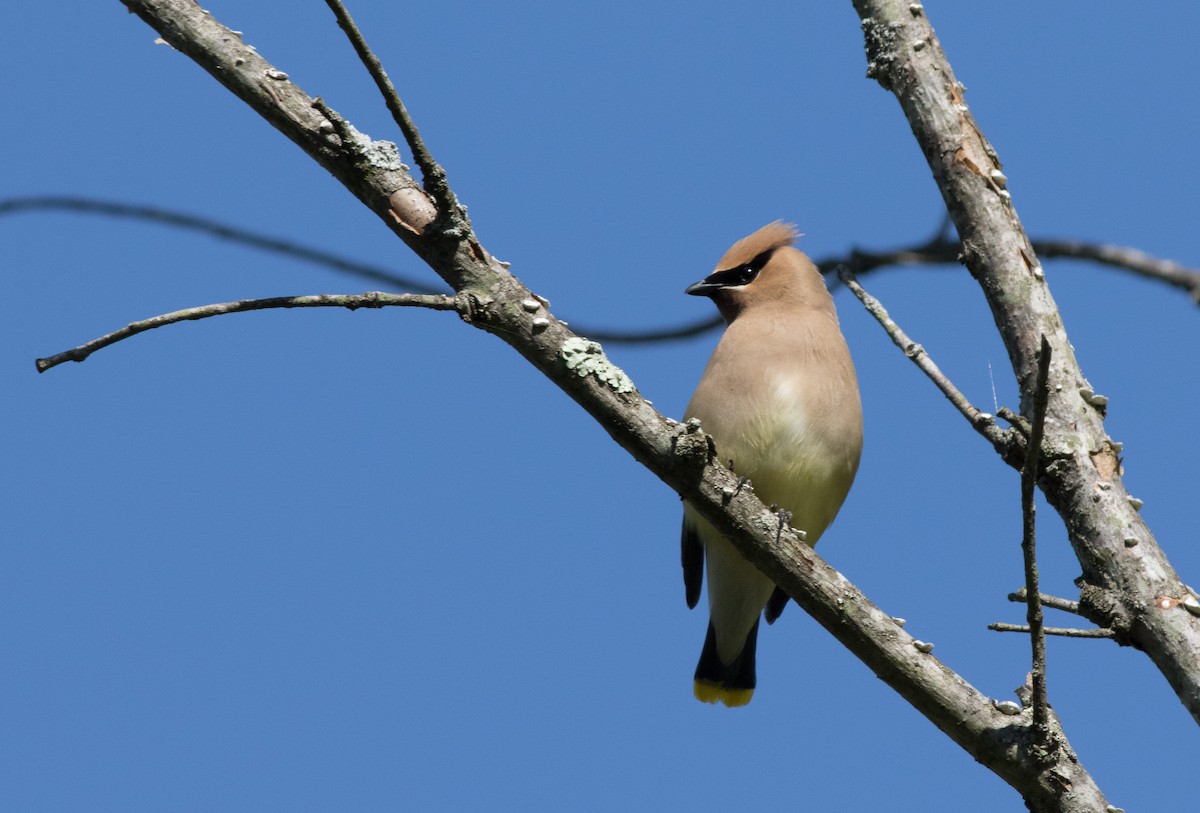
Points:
372	299
1029	475
1047	600
1130	259
938	250
223	231
983	422
943	250
1065	632
432	175
1019	422
651	336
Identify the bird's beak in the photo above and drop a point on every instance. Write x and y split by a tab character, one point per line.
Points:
703	288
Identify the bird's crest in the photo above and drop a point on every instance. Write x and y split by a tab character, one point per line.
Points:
771	236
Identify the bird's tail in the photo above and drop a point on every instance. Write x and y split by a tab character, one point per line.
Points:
731	684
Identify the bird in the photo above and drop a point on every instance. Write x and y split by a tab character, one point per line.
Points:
779	398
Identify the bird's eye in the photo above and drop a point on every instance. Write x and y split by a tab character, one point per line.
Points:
746	274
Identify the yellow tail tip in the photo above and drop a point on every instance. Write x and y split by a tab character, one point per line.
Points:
711	693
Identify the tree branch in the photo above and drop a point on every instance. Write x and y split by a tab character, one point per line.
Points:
1184	278
433	176
943	251
984	423
1081	478
374	299
429	167
215	228
1065	632
937	251
1029	475
1053	602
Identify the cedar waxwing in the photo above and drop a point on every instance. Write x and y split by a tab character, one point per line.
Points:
780	399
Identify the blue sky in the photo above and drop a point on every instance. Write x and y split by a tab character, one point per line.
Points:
328	560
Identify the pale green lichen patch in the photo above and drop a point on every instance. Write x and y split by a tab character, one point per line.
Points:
587	358
383	155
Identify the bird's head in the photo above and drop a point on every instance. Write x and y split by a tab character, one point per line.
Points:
764	270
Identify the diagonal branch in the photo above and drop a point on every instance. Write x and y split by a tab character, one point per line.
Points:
433	176
373	299
1082	478
215	228
983	422
430	169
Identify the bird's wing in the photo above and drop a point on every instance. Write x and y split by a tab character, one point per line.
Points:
692	555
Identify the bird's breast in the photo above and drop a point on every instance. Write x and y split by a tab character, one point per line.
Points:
796	437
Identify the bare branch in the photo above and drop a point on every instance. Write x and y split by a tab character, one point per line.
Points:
215	228
1065	632
653	335
373	299
983	422
433	175
942	250
939	250
1084	482
1053	602
1130	259
1029	475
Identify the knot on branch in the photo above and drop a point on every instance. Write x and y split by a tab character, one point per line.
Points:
412	209
969	256
693	447
471	308
1105	608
